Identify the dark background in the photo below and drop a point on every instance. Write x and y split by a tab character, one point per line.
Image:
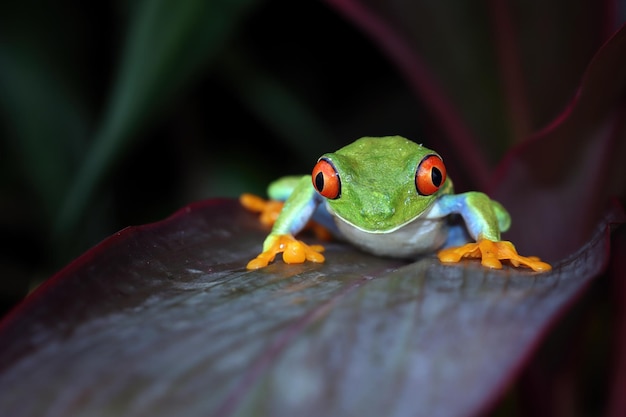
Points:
210	138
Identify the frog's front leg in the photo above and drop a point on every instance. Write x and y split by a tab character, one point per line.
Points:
295	214
484	219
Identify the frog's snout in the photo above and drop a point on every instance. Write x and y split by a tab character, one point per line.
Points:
377	207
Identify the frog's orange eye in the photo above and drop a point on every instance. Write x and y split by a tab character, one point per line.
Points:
326	179
430	175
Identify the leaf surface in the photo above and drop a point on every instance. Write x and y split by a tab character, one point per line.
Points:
164	319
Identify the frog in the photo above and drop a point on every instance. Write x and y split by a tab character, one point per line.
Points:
388	196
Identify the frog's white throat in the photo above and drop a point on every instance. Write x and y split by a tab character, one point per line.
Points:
419	235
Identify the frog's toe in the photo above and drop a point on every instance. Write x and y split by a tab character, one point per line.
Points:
491	254
294	252
456	253
506	250
252	202
261	261
268	209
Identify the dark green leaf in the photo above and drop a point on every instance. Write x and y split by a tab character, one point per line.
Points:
168	42
280	108
44	122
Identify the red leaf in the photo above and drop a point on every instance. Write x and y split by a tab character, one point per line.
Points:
425	85
557	184
489	73
616	400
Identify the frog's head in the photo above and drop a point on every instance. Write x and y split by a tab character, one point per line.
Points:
380	184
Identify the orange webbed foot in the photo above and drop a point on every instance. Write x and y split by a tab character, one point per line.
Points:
294	252
491	254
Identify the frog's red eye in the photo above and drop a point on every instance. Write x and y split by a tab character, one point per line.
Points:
430	175
326	179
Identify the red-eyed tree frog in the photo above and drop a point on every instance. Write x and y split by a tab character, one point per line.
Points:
388	196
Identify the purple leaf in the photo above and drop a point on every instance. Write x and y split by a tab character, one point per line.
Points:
616	399
164	320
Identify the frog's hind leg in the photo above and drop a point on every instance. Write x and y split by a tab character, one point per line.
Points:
322	224
268	209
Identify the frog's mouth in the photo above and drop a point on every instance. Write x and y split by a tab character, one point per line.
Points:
379	230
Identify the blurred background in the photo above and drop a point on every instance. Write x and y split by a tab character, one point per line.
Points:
117	114
222	99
